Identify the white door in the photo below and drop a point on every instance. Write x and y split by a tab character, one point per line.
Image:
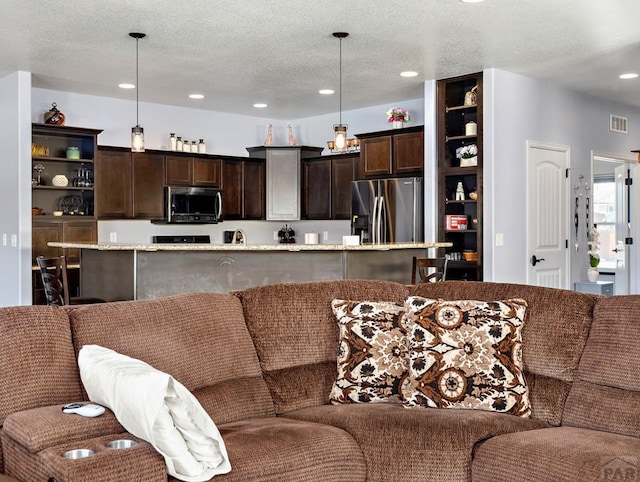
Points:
623	230
547	236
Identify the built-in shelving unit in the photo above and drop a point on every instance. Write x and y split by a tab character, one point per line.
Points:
75	200
460	103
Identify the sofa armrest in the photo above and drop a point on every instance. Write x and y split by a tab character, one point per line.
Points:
100	462
40	428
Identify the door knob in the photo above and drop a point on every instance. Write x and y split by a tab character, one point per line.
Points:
535	260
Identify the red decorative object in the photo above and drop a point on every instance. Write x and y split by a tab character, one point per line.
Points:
54	116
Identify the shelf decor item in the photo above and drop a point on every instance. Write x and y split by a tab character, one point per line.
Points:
593	245
53	116
468	155
397	116
471	97
60	180
73	152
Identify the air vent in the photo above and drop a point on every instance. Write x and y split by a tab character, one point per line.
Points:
618	124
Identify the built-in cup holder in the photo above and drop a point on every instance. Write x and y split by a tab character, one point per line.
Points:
121	444
78	453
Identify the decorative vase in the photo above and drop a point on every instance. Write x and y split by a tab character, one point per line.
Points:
592	275
397	124
54	116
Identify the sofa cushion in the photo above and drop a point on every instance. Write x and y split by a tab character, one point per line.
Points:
606	395
289	450
557	454
296	335
555	331
466	354
198	338
400	444
373	357
37	361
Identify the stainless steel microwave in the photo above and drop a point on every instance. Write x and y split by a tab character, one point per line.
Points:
192	204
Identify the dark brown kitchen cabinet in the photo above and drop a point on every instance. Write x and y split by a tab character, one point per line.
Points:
316	186
327	186
243	189
68	231
113	184
148	186
129	185
343	172
397	152
192	171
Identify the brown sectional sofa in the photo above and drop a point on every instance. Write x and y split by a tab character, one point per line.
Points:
262	363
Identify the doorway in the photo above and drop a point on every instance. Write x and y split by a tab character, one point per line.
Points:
611	195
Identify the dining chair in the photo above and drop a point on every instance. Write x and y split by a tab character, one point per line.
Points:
429	269
56	284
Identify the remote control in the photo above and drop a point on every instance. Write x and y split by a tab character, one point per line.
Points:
84	409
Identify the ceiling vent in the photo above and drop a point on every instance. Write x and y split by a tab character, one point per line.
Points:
618	124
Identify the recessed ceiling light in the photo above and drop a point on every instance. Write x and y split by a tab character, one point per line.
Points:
471	1
126	86
260	105
196	96
326	91
408	73
630	75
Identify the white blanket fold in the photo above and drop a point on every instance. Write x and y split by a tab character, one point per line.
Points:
155	407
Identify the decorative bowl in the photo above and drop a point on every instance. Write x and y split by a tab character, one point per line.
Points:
36	211
57	213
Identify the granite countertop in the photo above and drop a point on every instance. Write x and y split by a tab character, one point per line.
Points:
248	247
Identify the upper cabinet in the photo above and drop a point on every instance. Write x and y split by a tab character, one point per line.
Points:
129	185
460	162
192	171
243	182
396	152
63	170
283	176
326	186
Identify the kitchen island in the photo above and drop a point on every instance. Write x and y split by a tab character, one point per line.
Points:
115	271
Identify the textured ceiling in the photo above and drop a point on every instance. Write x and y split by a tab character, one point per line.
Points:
282	52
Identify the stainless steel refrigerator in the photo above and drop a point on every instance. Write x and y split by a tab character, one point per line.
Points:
388	210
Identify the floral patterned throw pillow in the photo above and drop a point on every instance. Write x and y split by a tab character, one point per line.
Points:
466	354
373	355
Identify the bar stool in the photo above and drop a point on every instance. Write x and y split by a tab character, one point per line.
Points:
423	265
56	284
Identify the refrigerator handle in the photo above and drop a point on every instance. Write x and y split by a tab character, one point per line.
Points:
374	221
382	222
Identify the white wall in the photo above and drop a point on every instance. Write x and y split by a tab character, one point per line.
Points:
15	189
225	134
517	109
316	131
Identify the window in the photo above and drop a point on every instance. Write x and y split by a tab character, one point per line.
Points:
604	217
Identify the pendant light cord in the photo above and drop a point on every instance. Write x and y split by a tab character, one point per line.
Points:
137	85
340	81
340	36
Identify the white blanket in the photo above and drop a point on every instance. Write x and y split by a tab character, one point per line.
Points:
155	407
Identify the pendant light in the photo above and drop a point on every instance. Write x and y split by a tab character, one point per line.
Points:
340	129
137	132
